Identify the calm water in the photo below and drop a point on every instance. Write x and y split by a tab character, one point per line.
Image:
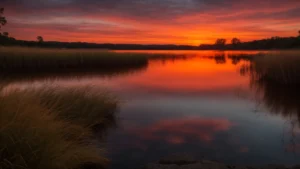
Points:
204	105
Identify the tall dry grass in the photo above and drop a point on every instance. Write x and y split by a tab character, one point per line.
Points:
275	79
42	129
81	106
17	63
281	67
14	59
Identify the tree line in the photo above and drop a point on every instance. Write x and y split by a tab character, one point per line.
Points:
270	43
220	44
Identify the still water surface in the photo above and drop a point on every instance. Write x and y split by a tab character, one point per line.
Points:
203	105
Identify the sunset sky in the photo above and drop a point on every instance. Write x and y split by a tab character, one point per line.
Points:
190	22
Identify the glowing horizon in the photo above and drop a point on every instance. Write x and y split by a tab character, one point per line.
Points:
190	22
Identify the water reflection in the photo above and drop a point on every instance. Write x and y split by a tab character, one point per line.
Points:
274	78
280	99
193	106
179	131
194	76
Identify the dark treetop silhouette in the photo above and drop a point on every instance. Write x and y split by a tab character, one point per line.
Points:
2	18
235	41
4	37
40	39
220	43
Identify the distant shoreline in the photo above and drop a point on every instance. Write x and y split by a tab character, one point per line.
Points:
274	43
163	49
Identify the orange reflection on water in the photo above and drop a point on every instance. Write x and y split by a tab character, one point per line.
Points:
194	74
198	73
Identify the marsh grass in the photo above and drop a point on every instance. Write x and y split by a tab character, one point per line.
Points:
275	79
83	107
46	129
279	67
16	59
20	63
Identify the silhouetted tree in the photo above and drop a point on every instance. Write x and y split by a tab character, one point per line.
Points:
4	39
275	38
220	43
2	18
235	41
5	34
40	39
299	33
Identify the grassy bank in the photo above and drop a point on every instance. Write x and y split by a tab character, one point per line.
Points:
15	59
53	128
275	79
32	59
36	63
279	67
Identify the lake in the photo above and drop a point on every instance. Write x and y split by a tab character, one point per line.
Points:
205	104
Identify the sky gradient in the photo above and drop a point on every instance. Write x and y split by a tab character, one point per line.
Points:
191	22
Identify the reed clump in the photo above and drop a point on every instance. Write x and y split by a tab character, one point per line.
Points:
42	129
280	67
14	59
275	79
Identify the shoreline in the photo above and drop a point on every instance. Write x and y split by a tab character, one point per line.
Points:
185	161
208	164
